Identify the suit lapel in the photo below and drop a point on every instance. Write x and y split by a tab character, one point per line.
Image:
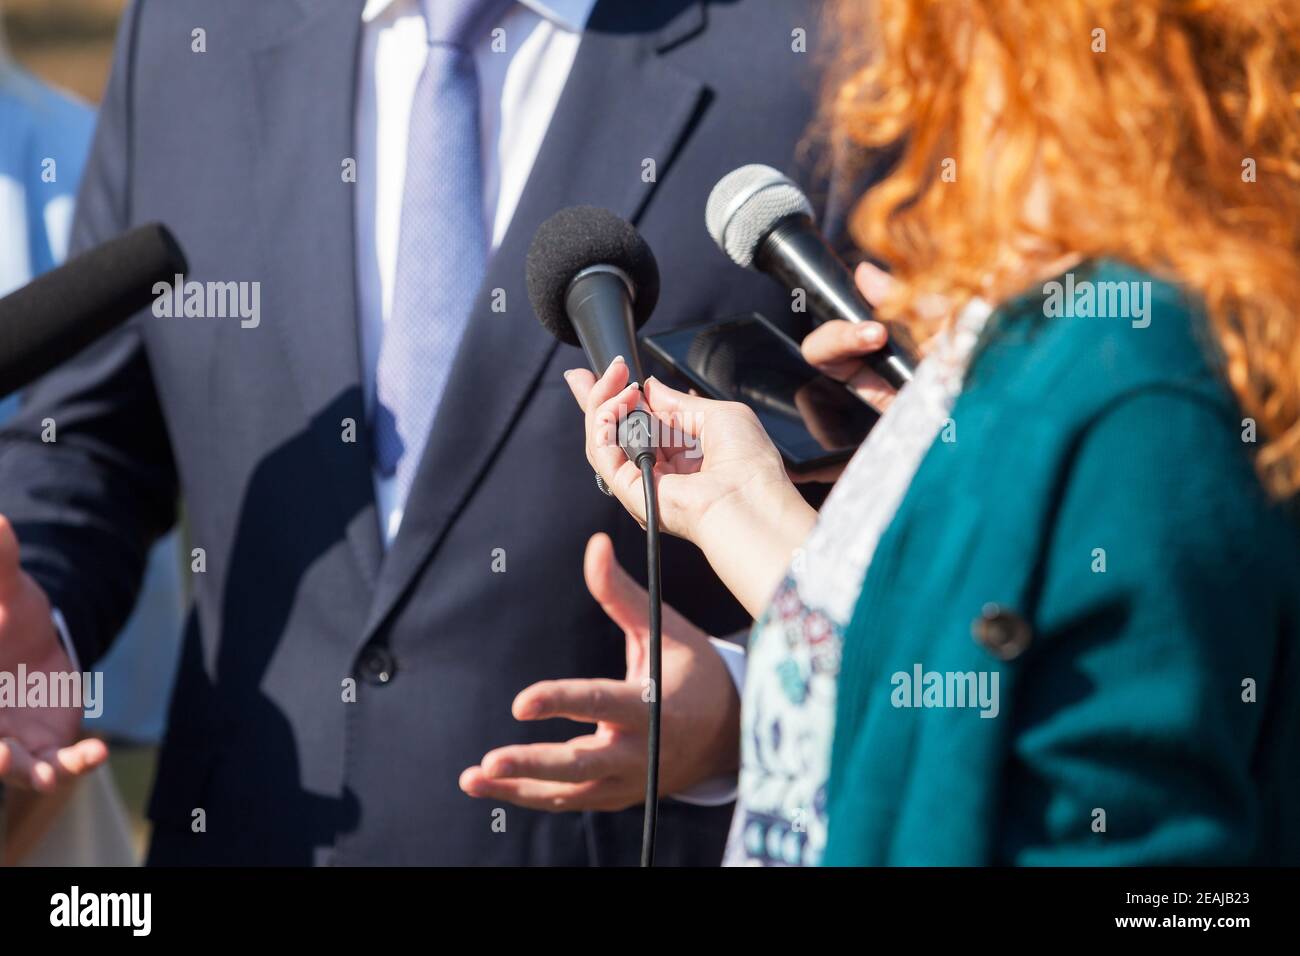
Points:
304	73
621	105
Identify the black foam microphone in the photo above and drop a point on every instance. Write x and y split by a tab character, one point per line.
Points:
762	220
593	281
59	313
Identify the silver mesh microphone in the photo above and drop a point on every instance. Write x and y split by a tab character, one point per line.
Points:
745	207
762	220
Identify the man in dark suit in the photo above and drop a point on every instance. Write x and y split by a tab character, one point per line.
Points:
385	496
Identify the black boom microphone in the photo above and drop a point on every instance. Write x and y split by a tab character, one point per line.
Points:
593	282
59	313
762	220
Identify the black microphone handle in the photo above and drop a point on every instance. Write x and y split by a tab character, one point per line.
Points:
796	254
593	297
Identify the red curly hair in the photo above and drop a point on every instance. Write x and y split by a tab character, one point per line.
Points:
1166	132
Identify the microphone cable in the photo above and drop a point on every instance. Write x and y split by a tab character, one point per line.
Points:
654	587
636	438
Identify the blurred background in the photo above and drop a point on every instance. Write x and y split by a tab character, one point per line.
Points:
68	44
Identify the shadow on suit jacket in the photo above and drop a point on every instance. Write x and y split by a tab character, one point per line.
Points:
239	150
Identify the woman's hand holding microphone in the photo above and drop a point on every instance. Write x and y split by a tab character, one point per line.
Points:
720	480
839	350
722	484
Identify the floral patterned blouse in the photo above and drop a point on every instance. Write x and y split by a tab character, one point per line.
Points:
788	707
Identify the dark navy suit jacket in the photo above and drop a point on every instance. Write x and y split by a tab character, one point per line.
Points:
240	150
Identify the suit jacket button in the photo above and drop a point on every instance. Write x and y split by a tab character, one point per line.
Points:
1002	632
376	666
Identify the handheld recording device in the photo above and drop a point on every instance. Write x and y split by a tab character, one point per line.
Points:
812	419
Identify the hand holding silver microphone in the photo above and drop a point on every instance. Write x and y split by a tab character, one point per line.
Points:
763	221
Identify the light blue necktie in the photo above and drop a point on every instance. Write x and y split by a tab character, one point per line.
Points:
443	240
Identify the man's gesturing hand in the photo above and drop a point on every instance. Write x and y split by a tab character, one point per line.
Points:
605	770
38	745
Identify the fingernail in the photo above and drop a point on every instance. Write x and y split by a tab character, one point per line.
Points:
618	359
568	376
871	334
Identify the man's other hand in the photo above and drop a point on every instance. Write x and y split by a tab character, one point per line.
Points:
606	769
39	748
